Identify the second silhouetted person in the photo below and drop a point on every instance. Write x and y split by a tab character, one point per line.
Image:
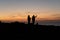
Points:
33	19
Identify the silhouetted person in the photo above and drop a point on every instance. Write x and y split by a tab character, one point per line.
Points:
33	19
29	19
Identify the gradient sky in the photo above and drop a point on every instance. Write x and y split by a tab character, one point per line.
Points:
19	9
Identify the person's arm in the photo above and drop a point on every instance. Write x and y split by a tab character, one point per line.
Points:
36	16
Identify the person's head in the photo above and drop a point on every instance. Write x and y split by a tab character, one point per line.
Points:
33	15
28	15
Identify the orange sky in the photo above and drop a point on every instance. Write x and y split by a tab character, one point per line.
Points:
23	17
18	10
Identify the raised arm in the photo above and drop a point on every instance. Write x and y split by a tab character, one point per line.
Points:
36	16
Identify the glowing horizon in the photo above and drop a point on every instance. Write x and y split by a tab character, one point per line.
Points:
19	9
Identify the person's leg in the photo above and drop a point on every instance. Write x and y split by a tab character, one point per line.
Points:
28	21
33	22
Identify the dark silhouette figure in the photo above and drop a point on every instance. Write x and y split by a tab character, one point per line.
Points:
33	19
29	19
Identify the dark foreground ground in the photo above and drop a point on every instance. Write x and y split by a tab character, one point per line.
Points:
24	28
19	29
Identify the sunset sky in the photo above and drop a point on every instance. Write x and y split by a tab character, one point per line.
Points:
20	9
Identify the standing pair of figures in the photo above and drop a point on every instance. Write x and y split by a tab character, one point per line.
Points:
33	19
